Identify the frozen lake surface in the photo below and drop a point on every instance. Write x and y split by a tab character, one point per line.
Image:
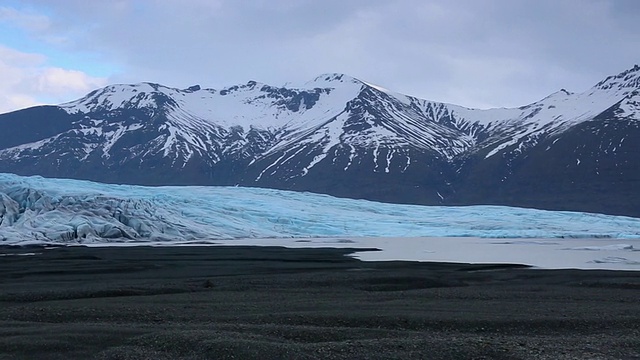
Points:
611	254
604	254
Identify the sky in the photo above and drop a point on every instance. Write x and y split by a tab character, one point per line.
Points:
475	53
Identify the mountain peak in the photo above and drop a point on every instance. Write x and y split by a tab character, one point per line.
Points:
330	77
332	80
140	95
560	94
626	80
192	88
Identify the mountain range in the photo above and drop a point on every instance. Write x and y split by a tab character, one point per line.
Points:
345	137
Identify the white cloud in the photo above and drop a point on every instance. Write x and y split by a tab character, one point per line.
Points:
53	80
12	57
475	53
25	19
28	80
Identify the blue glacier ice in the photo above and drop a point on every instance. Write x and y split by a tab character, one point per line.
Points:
35	209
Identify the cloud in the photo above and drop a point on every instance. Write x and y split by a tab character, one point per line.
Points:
25	19
28	80
475	53
53	80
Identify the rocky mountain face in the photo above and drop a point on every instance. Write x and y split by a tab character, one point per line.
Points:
342	136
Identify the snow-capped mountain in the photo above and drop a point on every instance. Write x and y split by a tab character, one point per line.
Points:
342	136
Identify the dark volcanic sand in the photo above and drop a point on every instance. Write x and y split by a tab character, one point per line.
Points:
276	303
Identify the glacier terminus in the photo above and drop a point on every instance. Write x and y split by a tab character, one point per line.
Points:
35	210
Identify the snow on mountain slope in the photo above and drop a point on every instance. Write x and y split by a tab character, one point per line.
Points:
35	209
562	110
249	105
329	114
201	120
339	135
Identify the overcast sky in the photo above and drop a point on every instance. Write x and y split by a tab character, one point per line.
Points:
476	53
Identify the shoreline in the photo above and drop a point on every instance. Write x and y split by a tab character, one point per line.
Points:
544	253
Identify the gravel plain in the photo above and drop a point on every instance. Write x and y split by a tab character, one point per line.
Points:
276	303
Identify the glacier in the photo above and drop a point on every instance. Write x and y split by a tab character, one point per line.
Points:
40	211
36	209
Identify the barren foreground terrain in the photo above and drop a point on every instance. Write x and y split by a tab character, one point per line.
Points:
278	303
